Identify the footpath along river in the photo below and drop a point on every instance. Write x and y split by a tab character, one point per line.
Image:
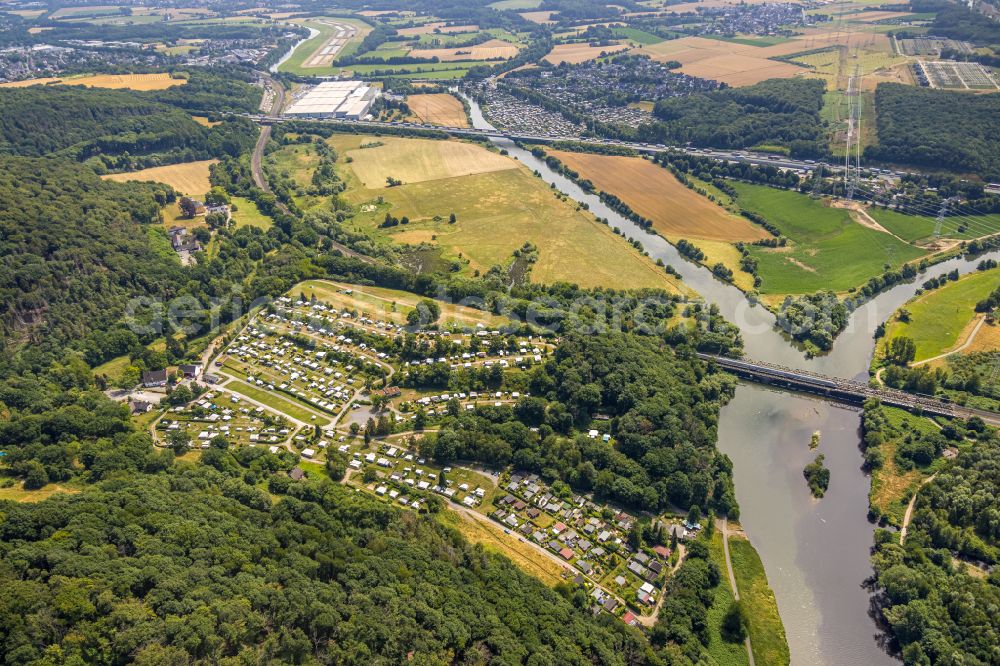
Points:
815	552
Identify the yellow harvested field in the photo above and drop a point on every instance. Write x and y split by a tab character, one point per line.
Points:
438	109
744	64
26	13
987	339
205	122
654	193
494	49
436	27
496	213
421	160
735	64
158	81
574	54
30	82
190	178
543	17
391	304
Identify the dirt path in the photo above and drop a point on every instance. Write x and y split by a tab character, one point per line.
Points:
964	345
862	217
909	508
732	578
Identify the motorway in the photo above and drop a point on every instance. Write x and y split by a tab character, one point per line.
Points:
257	157
844	390
746	157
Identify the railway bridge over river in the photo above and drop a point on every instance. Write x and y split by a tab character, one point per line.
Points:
844	390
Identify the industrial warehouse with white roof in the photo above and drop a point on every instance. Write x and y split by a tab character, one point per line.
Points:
335	99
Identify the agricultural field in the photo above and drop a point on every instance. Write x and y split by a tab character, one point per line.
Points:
157	81
540	17
486	192
190	178
920	228
86	10
943	319
574	54
494	49
436	27
438	109
654	193
827	249
506	5
734	64
419	160
741	62
498	205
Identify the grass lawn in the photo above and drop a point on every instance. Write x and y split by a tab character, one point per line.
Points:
425	70
637	36
767	633
918	227
724	652
938	317
497	212
248	215
189	178
277	403
17	493
306	49
388	304
827	249
494	540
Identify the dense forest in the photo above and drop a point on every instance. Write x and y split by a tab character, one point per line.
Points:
957	21
198	564
71	255
660	406
781	112
938	591
124	130
910	130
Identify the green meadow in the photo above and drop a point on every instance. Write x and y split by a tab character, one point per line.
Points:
827	249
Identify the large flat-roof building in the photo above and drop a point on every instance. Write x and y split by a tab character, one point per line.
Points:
351	100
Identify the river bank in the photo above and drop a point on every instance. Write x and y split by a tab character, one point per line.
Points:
815	552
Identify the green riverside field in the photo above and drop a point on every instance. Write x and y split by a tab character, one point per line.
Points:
827	249
938	317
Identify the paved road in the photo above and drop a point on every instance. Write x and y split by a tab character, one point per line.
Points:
968	341
257	158
742	156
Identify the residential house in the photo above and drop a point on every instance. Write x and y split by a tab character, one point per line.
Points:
154	378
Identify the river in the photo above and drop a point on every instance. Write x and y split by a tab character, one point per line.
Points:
815	552
288	54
